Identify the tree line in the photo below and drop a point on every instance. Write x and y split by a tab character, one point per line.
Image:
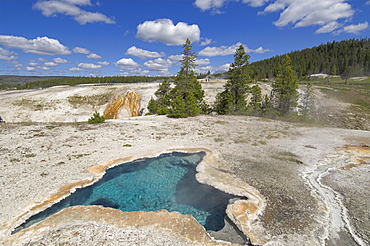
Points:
185	97
71	81
346	58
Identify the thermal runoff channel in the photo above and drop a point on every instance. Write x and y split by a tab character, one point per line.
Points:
151	184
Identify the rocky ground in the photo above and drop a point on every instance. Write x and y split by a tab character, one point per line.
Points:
315	180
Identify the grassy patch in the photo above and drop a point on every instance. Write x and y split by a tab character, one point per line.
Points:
127	145
287	156
219	140
29	155
222	122
94	100
14	160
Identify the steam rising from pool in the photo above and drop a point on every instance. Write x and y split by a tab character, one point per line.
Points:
150	184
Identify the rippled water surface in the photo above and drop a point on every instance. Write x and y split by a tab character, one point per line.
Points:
150	184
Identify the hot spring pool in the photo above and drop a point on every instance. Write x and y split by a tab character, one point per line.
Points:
150	184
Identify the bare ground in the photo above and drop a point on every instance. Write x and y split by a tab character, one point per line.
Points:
316	189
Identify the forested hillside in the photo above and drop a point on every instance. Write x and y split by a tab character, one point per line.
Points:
78	80
345	58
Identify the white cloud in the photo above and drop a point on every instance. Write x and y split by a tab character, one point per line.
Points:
43	68
33	64
260	50
216	4
228	50
205	41
163	30
60	60
127	63
8	55
203	62
222	68
331	26
219	51
81	50
159	64
143	54
68	7
94	56
356	29
302	13
50	64
175	58
89	65
75	69
326	14
30	69
38	46
104	63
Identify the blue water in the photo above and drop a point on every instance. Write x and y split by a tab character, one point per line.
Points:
150	184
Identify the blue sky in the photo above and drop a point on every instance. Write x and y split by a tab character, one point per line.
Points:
145	37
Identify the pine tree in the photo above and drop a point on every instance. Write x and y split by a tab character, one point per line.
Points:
223	104
237	84
187	87
284	89
307	108
256	100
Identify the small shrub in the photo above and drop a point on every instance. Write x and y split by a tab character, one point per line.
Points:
29	155
127	145
96	119
14	160
219	139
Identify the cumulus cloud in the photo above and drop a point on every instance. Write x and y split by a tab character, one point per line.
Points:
38	46
33	64
219	51
228	50
89	65
30	69
175	58
164	30
302	13
43	68
326	14
203	62
80	50
60	60
75	69
216	4
260	50
94	56
50	64
331	26
104	63
160	65
143	54
69	7
8	55
356	29
128	64
205	41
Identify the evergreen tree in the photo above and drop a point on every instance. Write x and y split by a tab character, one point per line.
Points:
178	108
307	108
284	89
223	104
256	99
236	86
187	87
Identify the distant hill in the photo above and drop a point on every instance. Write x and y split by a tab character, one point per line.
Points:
346	58
20	80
